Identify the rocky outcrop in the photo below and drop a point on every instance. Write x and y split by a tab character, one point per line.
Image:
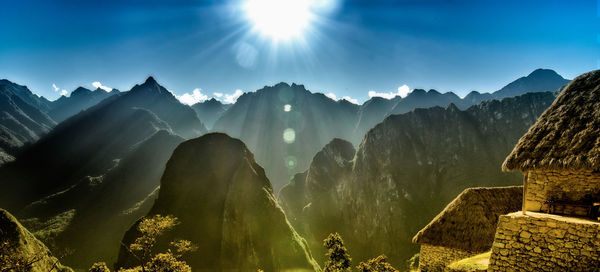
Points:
226	207
18	244
308	199
409	167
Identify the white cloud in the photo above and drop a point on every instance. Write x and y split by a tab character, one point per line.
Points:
192	98
232	98
332	96
403	91
97	84
218	94
56	89
350	99
347	98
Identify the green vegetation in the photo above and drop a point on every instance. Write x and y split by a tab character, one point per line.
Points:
99	267
413	262
142	248
378	264
15	262
47	229
476	263
338	259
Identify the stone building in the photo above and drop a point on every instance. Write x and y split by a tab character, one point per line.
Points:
560	159
466	227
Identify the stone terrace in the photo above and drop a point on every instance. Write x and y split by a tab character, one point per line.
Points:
545	242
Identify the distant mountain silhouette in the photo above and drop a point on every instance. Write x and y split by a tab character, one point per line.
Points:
154	97
88	144
540	80
80	99
260	120
20	121
225	205
210	111
406	169
376	109
39	102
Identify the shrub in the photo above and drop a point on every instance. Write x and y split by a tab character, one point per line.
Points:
378	264
338	259
99	267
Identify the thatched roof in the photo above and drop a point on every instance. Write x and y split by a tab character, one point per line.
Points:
469	221
567	134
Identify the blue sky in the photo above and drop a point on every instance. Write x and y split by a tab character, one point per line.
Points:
349	49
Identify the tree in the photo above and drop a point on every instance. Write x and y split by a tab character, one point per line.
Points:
99	267
378	264
151	229
166	262
142	247
338	259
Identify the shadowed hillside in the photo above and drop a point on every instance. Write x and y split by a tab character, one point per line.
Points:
21	251
20	122
91	216
226	206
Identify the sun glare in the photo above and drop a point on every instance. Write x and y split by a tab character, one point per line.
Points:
280	19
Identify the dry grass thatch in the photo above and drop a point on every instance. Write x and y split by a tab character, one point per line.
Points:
469	221
567	134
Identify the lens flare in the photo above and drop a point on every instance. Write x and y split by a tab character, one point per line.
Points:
289	135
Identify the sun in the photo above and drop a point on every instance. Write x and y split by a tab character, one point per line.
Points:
279	19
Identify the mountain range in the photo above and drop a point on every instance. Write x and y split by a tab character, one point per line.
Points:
81	183
80	99
261	118
404	172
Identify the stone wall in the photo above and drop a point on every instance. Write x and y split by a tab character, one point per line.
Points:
542	242
436	258
561	185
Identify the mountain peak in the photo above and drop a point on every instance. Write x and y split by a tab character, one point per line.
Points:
452	108
80	91
149	86
540	72
298	86
540	80
282	85
150	80
237	207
